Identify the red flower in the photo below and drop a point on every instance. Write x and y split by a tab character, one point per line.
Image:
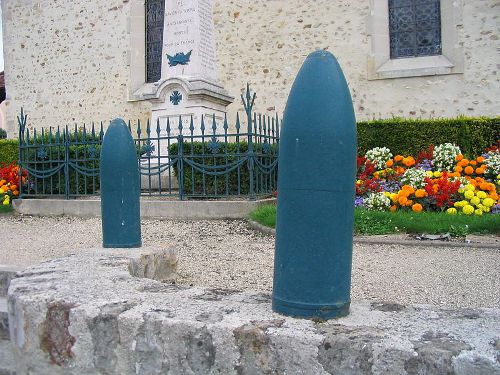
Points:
441	191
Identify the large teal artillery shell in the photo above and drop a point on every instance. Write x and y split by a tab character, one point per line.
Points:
317	169
120	189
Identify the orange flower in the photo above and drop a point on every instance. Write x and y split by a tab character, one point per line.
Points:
417	207
484	186
473	163
463	162
398	158
389	163
479	171
13	187
469	170
393	208
399	170
480	159
408	203
420	193
459	157
458	169
404	193
435	188
15	192
402	200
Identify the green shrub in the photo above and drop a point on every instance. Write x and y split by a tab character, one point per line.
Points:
236	182
409	137
79	184
9	151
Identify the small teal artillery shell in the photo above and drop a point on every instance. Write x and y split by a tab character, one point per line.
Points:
317	169
120	189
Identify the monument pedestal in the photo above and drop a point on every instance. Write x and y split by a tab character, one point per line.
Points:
187	87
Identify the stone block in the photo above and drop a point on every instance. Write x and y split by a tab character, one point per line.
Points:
159	264
86	314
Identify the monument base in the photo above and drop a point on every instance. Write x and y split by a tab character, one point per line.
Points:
182	99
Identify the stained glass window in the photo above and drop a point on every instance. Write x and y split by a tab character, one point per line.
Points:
414	28
155	12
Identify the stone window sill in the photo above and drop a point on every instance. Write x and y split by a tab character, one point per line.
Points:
414	67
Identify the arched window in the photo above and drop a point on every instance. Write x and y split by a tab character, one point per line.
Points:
155	12
414	28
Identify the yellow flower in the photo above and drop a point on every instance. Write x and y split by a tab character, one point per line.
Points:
436	174
488	202
468	209
485	209
451	211
478	212
469	194
387	194
481	194
429	174
469	187
475	201
460	204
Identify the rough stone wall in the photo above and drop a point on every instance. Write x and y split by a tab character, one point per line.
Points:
63	322
66	61
265	42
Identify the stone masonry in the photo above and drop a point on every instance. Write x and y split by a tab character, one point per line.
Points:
69	61
86	314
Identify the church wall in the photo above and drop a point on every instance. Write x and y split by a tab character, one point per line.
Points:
264	43
68	61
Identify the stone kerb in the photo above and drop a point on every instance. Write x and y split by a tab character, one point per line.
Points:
86	314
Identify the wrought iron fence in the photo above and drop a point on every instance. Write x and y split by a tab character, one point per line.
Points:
176	159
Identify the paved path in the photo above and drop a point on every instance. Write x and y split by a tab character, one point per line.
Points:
230	254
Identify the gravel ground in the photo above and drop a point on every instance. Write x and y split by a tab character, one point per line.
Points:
229	254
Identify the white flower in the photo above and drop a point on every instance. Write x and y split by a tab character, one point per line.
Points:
379	156
377	201
414	177
492	162
444	156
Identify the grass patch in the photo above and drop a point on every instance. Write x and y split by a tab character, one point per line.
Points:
265	215
5	209
381	222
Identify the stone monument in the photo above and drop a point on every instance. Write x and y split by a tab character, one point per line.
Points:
188	85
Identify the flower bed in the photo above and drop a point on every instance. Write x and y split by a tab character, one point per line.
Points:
9	183
438	179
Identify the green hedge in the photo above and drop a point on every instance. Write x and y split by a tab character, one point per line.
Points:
78	184
409	137
9	151
220	185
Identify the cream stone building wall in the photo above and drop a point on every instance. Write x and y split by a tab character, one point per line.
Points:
75	61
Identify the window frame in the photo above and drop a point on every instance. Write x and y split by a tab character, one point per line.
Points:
381	66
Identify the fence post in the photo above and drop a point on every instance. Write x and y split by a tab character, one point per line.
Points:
66	162
21	120
248	102
120	189
317	156
180	165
